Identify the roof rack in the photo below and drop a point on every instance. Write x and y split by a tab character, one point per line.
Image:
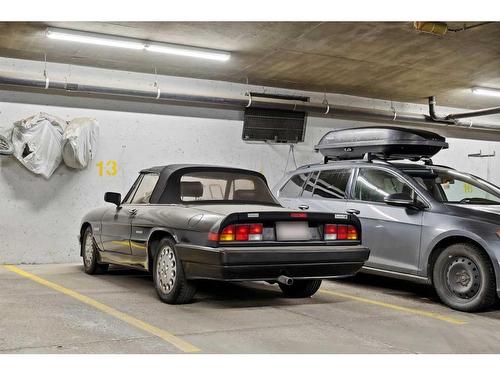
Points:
370	158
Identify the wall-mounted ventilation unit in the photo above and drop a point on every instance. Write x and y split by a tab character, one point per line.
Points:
274	125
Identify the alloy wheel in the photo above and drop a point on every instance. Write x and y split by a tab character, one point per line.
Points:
166	269
88	255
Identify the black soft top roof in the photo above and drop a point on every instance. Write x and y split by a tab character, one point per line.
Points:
170	176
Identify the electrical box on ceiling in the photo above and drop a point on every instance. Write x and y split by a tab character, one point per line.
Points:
274	125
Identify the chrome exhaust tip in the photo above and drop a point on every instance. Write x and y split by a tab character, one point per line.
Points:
285	280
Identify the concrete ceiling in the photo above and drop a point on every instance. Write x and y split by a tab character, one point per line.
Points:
385	60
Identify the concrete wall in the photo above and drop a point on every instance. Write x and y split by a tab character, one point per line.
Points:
457	157
39	219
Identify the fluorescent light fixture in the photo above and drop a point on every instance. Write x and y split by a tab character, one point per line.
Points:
486	91
92	38
175	49
137	44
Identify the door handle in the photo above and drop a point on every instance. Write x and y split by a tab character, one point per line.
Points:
303	207
353	211
133	211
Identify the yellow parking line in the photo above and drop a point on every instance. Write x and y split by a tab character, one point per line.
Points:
428	314
165	335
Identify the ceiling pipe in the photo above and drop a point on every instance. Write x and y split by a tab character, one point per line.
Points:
241	101
432	112
455	116
480	112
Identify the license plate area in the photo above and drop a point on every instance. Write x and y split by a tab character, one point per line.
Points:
293	231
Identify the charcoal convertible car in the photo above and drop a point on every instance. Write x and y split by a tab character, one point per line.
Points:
185	223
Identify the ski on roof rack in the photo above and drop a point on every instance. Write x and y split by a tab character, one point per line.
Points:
386	143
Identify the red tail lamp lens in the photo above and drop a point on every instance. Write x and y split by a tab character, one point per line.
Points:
302	215
256	228
255	233
330	232
340	232
242	232
213	236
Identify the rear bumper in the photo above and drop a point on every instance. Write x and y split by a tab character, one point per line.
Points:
268	263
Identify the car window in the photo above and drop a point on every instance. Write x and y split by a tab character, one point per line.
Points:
221	186
450	186
238	185
131	192
373	185
145	189
309	185
332	184
293	187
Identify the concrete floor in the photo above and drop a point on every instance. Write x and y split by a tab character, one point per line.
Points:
362	315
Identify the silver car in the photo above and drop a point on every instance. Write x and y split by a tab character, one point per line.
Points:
426	223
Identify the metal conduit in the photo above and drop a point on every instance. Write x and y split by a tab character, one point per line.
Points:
480	112
242	101
455	116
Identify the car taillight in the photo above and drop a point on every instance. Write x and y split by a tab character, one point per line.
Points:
213	236
299	215
334	232
342	232
239	232
227	234
330	232
255	232
352	233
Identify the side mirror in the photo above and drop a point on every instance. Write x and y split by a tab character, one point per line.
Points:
400	199
115	198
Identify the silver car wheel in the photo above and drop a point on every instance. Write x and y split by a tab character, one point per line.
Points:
88	253
166	269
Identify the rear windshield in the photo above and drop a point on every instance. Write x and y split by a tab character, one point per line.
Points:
216	186
450	186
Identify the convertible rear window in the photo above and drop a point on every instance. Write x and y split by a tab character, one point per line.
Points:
217	186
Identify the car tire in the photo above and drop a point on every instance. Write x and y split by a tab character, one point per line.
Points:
464	278
90	254
168	275
301	288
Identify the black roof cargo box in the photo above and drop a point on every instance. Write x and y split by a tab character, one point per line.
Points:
382	142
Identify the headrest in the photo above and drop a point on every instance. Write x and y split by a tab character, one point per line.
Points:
192	189
244	195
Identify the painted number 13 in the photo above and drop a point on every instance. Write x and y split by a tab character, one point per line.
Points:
110	168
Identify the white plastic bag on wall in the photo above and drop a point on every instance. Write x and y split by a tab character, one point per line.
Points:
6	147
80	142
38	142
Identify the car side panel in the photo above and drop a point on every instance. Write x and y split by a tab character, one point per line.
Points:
392	234
115	230
438	226
183	224
94	218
